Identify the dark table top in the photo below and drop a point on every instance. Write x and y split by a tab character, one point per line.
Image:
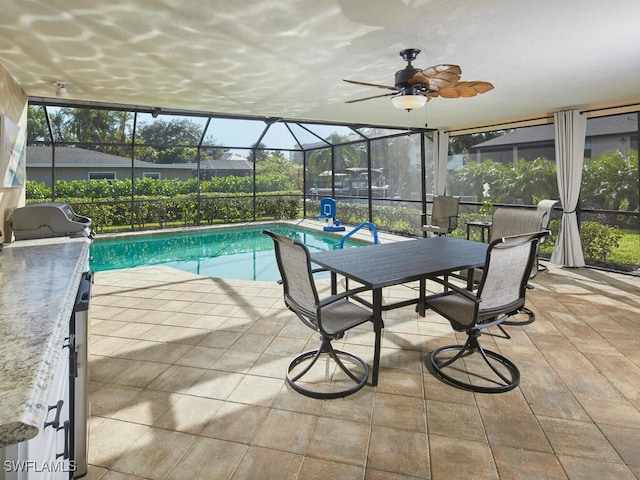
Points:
393	263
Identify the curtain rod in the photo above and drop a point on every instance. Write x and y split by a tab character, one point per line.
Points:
602	109
546	118
504	124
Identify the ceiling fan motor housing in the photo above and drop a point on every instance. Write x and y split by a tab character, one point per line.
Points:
403	76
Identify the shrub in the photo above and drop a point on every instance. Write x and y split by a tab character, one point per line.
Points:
598	240
37	191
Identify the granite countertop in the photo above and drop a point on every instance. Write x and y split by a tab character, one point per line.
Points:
39	280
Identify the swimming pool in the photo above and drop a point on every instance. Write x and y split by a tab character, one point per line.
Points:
242	253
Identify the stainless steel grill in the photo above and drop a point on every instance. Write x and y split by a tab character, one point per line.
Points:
52	219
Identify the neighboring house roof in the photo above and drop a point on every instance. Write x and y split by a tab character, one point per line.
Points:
72	157
242	164
232	156
596	127
79	157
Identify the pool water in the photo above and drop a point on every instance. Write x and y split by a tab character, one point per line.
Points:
242	253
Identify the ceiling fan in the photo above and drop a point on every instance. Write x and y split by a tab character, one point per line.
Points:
413	86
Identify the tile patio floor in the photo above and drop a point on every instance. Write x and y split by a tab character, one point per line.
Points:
187	382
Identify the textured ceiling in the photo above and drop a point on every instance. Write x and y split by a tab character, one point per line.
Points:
287	58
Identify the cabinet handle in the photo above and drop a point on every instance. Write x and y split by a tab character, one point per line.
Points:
56	421
73	363
71	341
65	453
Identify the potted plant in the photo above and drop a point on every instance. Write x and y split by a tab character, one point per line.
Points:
487	206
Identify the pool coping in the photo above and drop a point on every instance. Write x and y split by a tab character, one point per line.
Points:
363	235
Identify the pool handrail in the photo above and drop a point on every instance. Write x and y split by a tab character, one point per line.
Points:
371	226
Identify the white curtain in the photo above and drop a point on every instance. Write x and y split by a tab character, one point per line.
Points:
570	130
440	156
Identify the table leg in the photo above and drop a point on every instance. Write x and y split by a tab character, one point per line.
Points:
377	328
420	307
470	279
334	283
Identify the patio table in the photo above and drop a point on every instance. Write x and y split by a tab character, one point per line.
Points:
384	265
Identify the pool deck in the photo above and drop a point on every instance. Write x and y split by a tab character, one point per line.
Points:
187	381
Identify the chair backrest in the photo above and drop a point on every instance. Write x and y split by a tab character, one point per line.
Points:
545	208
294	263
327	208
445	212
515	221
506	272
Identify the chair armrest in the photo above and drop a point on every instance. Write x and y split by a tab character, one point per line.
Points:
342	295
315	270
450	286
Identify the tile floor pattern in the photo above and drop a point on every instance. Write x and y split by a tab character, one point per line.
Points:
187	382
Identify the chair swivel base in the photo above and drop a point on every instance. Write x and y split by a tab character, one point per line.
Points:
309	359
505	378
530	317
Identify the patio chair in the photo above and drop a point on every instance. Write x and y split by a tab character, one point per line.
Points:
515	221
444	215
545	209
331	317
500	293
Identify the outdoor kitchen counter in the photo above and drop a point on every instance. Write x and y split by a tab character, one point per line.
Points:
39	280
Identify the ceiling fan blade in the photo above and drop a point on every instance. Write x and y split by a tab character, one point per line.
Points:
465	89
366	84
442	76
420	78
369	98
481	87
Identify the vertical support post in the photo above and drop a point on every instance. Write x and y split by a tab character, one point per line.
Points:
53	155
370	184
423	178
133	156
254	155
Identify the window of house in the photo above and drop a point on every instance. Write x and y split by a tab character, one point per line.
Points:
102	175
155	175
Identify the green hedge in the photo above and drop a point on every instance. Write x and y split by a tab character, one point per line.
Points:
147	212
173	203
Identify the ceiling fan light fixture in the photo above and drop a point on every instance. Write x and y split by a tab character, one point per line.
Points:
409	102
61	91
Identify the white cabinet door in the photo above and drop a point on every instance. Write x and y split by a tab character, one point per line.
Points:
43	457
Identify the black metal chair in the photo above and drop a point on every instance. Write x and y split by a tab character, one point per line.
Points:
500	293
444	215
545	209
331	317
507	222
515	221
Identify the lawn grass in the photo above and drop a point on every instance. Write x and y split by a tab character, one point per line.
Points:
628	251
